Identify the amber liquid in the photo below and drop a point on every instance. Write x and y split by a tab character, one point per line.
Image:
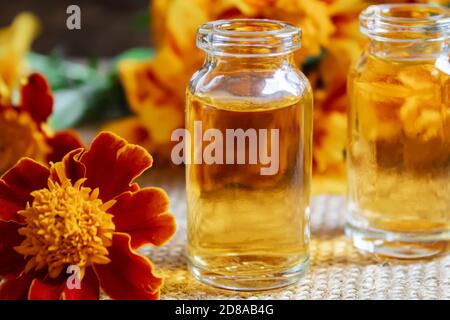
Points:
240	223
399	146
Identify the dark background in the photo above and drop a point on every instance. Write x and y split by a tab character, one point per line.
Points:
108	26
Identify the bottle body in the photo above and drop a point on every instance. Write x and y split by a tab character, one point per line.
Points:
248	200
399	150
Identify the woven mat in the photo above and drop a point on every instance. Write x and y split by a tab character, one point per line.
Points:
336	271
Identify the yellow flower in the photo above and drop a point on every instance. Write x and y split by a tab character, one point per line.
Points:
15	42
157	103
330	93
23	131
20	137
329	151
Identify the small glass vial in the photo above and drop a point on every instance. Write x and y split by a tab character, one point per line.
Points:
248	199
399	133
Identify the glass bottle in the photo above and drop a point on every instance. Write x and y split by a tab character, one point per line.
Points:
399	133
248	201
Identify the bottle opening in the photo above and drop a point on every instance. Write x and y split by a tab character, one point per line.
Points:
406	22
249	37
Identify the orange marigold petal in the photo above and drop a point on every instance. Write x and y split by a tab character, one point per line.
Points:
129	276
37	98
17	184
62	143
144	215
74	169
16	288
89	288
11	262
112	164
10	203
46	289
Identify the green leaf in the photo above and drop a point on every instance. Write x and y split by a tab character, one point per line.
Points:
312	62
96	101
61	73
70	106
82	92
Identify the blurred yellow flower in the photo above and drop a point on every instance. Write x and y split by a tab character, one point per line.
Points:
15	41
24	131
329	81
156	100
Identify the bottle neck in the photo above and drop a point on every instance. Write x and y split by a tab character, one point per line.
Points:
261	63
409	50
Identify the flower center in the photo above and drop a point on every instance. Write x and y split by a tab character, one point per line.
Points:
19	137
66	224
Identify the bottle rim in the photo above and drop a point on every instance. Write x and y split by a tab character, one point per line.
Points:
249	37
400	22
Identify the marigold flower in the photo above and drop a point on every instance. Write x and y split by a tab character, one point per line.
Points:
23	131
156	107
329	80
329	152
83	211
15	41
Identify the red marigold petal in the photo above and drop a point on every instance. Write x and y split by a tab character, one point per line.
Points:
143	215
9	235
74	169
134	187
89	288
16	288
50	289
112	164
11	262
37	98
62	143
10	203
17	184
129	276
